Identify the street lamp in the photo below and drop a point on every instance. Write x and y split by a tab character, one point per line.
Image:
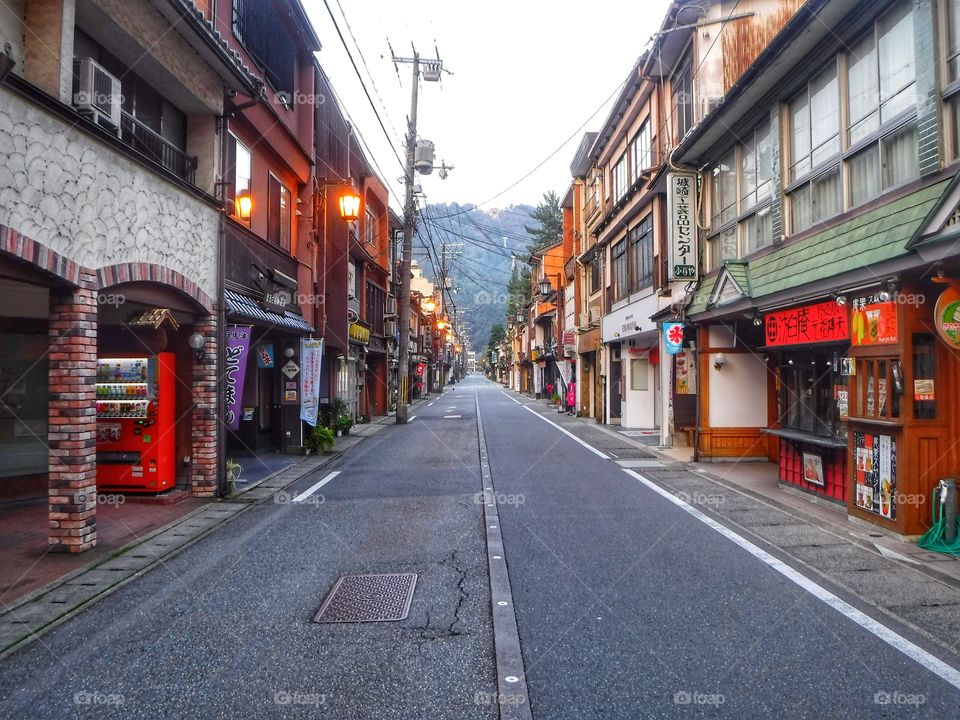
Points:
350	205
521	316
545	286
429	306
243	203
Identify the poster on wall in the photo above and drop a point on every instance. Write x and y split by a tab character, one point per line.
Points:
686	373
238	345
265	355
813	469
875	473
311	355
873	322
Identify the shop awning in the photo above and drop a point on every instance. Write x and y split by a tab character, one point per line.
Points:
246	308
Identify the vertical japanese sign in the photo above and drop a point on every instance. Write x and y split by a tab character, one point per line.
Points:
238	344
673	338
682	226
311	356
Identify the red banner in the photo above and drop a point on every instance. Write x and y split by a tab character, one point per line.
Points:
823	322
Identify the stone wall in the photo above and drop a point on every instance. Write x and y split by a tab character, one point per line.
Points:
77	196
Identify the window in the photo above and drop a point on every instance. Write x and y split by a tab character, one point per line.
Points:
756	168
681	98
619	267
620	178
370	228
881	77
241	171
722	246
375	300
814	172
640	240
596	277
723	191
279	220
263	33
952	93
807	392
640	158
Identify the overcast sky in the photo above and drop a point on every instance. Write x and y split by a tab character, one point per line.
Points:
527	74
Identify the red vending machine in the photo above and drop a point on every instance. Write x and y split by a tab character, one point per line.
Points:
136	447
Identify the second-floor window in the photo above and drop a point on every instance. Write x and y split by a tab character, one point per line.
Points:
596	276
640	240
640	158
618	267
280	214
881	133
370	228
375	301
261	30
681	98
814	172
239	172
620	178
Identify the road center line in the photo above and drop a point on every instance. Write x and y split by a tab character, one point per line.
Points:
567	433
893	639
313	488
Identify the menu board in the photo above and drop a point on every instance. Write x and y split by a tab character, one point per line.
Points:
875	473
823	322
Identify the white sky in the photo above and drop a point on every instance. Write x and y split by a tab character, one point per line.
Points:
527	74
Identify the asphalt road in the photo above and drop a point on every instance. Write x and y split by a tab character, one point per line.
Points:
223	630
627	605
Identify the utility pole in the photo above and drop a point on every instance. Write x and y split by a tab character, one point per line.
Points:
409	212
432	71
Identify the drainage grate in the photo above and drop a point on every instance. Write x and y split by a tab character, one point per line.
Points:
368	598
627	453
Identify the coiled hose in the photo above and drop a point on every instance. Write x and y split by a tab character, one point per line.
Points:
933	539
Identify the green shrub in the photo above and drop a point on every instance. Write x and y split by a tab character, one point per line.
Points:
320	440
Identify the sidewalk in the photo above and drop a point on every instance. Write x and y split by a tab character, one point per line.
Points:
110	566
903	581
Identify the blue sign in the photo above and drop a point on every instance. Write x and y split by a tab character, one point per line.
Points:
265	355
673	338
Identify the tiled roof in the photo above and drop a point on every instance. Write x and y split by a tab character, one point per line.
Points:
246	308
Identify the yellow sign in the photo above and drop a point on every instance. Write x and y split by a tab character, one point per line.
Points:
358	333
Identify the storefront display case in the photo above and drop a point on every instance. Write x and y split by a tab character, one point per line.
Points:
135	423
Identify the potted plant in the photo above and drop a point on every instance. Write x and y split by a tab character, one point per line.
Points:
320	440
343	424
555	399
234	470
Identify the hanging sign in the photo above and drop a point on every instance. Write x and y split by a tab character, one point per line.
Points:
947	316
238	344
873	323
682	226
265	356
673	338
824	322
311	355
290	369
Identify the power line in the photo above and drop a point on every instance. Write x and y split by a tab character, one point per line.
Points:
362	83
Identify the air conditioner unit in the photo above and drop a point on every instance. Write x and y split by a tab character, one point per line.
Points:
390	328
584	320
97	93
390	310
594	316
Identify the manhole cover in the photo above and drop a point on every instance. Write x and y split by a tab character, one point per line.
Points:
368	598
628	453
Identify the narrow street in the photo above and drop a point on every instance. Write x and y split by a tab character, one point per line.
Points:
628	606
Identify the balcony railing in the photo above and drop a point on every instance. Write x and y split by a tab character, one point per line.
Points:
147	142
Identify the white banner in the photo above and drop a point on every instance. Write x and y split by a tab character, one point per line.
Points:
682	226
311	356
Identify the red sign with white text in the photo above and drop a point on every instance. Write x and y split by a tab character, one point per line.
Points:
823	322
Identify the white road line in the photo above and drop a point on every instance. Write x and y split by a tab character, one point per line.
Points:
893	639
411	418
313	488
429	404
512	398
448	417
567	433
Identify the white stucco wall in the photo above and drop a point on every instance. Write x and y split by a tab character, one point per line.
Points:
87	202
738	392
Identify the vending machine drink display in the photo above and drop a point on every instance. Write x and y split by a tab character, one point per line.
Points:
135	416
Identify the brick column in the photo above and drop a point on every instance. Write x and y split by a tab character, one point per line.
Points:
203	474
72	493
